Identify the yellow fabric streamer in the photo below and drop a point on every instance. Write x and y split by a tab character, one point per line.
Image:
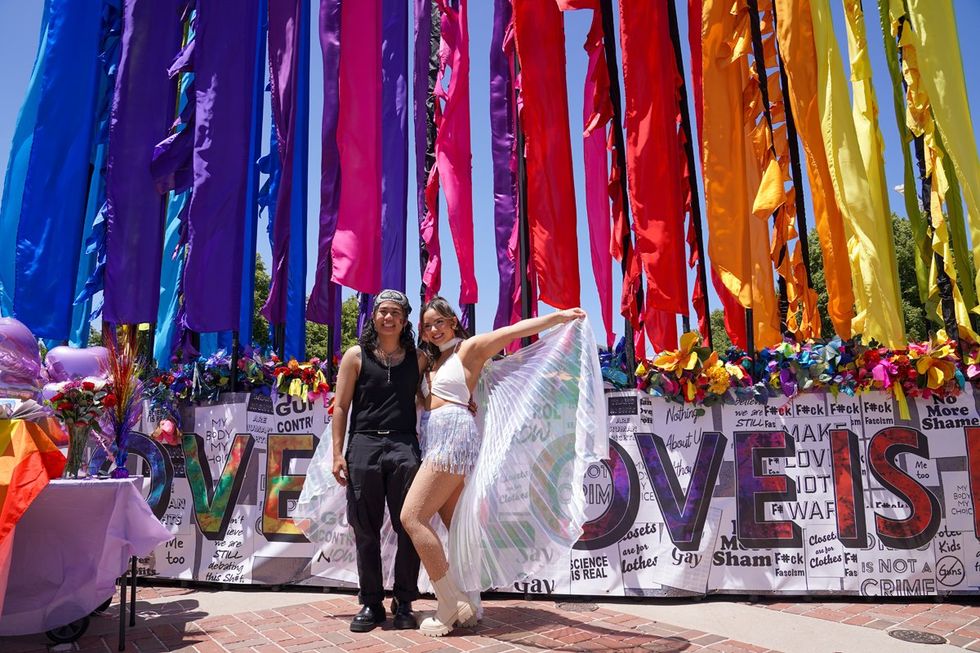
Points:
940	63
738	241
867	221
795	35
919	117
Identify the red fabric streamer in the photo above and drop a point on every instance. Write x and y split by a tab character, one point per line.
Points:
544	118
597	111
654	162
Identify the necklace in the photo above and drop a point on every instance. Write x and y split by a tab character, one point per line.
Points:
386	358
449	344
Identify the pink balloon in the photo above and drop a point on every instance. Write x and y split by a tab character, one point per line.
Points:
67	363
20	360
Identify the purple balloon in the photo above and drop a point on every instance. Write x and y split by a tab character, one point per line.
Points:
67	363
20	360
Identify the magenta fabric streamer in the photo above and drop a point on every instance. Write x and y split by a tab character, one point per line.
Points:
284	27
357	241
142	111
324	304
223	66
504	150
597	112
453	156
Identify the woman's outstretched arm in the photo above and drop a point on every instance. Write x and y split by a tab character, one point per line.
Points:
482	347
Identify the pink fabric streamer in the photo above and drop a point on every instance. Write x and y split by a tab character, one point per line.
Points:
357	243
597	112
453	156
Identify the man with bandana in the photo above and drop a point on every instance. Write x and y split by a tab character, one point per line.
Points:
376	389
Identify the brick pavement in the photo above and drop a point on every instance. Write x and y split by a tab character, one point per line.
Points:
959	623
322	625
170	621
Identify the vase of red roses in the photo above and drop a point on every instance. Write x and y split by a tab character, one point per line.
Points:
79	405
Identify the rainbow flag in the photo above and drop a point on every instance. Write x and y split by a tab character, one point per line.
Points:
28	460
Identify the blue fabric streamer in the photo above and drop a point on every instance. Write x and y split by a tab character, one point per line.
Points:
269	165
252	192
295	346
49	232
109	61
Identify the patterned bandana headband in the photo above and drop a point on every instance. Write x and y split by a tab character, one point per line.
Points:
392	296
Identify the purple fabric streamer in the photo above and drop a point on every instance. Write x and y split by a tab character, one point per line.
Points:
324	304
394	142
223	65
394	150
503	148
284	24
142	110
172	165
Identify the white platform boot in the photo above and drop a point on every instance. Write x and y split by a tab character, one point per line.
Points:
453	609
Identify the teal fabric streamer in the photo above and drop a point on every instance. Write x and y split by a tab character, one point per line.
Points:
170	273
13	187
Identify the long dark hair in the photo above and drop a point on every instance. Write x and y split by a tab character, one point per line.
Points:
369	337
445	309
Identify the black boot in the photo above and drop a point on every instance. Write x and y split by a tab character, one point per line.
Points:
368	618
404	618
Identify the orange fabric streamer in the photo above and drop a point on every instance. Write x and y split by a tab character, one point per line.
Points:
796	45
28	460
738	241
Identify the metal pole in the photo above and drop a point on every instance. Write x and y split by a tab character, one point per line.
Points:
691	168
794	161
122	613
132	590
235	346
523	237
758	54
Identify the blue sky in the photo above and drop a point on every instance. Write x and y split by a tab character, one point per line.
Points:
19	26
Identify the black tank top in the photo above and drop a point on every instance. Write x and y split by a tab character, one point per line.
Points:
382	406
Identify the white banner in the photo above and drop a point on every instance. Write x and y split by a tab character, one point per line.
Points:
818	494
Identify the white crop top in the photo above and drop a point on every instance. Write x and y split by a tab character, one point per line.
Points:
449	382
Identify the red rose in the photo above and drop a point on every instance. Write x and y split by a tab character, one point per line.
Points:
65	406
109	401
57	397
88	386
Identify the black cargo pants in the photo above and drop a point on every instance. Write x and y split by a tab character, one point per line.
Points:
381	467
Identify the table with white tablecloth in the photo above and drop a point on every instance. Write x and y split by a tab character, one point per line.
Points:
70	547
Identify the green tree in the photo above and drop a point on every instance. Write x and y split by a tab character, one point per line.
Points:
719	337
260	326
348	323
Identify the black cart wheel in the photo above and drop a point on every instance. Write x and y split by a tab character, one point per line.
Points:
102	608
69	632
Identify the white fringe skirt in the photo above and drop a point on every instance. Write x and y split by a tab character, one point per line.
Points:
450	439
